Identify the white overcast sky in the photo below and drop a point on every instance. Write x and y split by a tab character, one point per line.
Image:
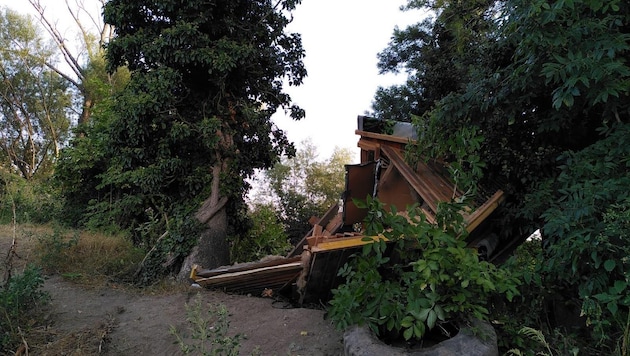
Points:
341	39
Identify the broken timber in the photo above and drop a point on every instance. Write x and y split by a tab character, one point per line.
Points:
309	272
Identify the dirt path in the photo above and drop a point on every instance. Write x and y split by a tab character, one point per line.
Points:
120	322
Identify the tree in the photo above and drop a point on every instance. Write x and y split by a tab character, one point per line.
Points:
546	85
87	74
194	121
436	55
502	68
302	186
33	99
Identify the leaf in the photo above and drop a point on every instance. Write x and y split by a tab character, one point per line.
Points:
619	286
406	322
431	319
609	265
612	307
408	333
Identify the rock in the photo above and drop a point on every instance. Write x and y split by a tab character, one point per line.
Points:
478	340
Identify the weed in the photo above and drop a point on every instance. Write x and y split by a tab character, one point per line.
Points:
210	335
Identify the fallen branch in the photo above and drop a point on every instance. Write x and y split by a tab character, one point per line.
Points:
141	266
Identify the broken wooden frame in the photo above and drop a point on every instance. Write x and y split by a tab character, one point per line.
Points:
309	272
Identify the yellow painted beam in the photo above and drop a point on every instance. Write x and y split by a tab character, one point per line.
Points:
346	242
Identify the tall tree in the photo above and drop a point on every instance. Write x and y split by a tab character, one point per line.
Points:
437	55
84	64
533	79
33	98
194	121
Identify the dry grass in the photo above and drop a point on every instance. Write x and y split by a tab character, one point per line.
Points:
87	259
84	257
91	340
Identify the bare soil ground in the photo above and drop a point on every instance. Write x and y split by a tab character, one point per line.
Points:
109	319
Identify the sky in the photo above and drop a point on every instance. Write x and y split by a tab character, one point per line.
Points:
341	39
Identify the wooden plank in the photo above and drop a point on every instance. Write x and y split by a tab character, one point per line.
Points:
411	177
299	247
224	276
382	137
481	213
199	272
440	188
347	242
386	175
334	224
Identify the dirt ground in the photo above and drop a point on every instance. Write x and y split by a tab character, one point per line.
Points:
110	319
120	322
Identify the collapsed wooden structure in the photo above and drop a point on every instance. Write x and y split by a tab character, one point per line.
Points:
309	272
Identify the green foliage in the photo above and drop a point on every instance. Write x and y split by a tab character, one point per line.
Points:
34	201
265	237
210	333
461	151
587	226
54	247
303	186
419	280
20	297
200	95
534	78
33	99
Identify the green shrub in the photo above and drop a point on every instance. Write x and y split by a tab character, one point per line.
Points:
423	278
266	237
20	297
32	201
584	261
53	248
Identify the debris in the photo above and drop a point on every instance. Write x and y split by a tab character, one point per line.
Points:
309	272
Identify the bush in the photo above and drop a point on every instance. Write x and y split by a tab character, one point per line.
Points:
584	261
423	278
32	201
266	237
19	299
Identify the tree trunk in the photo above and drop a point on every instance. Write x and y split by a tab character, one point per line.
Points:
212	249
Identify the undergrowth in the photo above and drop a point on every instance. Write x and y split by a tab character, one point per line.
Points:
20	300
87	257
209	332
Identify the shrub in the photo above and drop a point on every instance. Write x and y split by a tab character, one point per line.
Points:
584	261
19	299
266	237
32	201
423	278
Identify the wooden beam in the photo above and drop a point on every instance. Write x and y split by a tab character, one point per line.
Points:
382	137
481	213
396	159
345	242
